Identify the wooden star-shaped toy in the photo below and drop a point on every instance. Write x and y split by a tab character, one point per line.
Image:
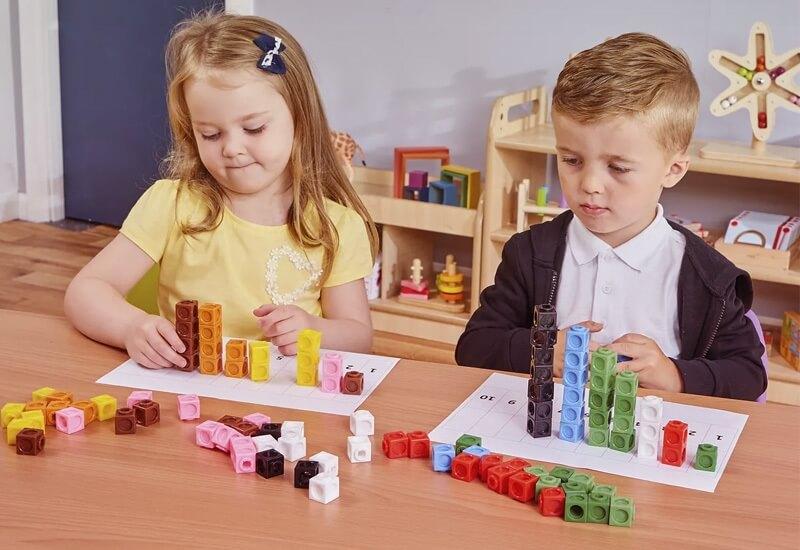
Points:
760	81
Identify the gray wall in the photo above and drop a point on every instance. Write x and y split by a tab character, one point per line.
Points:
426	72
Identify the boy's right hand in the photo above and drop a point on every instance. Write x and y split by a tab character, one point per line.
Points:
558	349
153	342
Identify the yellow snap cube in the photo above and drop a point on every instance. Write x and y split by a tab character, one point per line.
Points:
307	369
309	341
10	411
41	393
106	406
259	372
19	424
34	417
259	360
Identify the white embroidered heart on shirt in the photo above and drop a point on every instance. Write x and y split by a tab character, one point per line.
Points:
300	263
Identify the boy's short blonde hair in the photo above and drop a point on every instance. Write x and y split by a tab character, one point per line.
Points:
633	74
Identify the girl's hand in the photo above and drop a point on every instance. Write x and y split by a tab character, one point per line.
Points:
282	324
656	371
558	349
153	342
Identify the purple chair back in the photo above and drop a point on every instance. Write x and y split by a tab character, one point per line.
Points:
764	359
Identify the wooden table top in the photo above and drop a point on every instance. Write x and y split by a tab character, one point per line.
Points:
94	488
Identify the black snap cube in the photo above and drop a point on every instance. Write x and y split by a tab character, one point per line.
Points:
540	411
272	429
539	428
540	375
543	337
303	472
540	392
269	463
544	316
541	357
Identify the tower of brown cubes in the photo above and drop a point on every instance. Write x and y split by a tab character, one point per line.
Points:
544	334
186	325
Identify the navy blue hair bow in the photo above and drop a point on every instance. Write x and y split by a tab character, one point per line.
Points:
271	61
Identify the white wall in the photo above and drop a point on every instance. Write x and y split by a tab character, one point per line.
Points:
9	165
422	72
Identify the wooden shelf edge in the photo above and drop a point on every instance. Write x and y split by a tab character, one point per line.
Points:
541	139
780	370
392	305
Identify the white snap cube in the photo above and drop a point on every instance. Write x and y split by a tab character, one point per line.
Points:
362	423
292	448
359	448
323	488
265	442
328	463
292	428
647	451
649	431
650	408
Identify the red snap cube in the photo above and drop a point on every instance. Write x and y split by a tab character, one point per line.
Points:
395	444
465	467
489	461
419	445
522	486
551	501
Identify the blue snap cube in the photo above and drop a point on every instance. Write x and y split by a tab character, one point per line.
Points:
576	359
572	413
442	458
577	338
573	395
477	450
571	431
575	377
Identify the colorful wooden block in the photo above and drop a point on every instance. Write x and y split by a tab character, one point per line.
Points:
404	154
444	192
471	183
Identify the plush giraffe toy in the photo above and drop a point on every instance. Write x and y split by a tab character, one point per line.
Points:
346	148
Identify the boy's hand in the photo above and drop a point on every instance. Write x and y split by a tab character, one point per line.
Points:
656	371
282	324
558	349
153	342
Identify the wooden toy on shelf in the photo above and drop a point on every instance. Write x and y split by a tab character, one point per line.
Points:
450	282
526	206
417	188
772	231
402	154
468	182
346	147
760	81
415	288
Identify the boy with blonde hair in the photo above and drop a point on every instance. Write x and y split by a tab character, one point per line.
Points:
623	114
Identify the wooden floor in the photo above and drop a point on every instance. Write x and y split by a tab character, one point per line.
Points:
37	262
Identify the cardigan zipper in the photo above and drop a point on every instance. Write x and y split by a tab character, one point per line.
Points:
716	329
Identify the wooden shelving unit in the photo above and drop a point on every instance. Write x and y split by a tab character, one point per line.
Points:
518	148
405	235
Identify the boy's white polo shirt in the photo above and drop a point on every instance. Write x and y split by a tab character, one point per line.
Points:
630	288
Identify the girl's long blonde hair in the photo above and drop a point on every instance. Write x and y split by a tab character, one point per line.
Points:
215	41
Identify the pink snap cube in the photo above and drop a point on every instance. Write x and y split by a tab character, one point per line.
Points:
222	437
204	433
332	364
139	395
188	407
69	420
243	454
330	384
258	419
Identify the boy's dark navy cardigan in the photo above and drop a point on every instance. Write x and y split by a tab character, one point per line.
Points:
720	349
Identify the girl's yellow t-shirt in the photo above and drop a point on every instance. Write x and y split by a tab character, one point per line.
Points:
240	265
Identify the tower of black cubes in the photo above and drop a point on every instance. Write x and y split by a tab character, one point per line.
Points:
544	333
